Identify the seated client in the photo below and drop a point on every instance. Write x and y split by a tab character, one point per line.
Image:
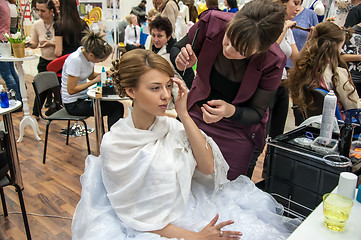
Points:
158	178
319	66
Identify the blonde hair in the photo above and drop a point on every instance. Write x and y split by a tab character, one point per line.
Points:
95	43
129	18
127	71
153	13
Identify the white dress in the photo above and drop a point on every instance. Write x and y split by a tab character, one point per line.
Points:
142	181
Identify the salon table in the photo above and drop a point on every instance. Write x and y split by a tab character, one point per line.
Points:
8	124
313	228
27	119
98	119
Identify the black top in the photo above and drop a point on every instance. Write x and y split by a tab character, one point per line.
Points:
249	112
354	47
140	13
353	16
71	46
170	44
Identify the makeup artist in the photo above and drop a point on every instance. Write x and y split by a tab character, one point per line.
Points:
238	72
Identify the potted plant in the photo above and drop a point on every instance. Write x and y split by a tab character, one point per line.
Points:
17	41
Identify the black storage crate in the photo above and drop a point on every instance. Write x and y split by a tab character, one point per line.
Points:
297	172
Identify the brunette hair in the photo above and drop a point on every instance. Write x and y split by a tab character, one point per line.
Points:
133	64
49	5
321	50
232	3
162	24
96	44
256	26
212	3
69	24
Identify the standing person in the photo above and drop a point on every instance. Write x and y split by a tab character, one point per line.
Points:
158	178
193	13
77	69
140	12
69	29
43	37
278	108
161	37
169	9
238	72
305	18
7	70
351	53
354	15
132	33
320	66
231	6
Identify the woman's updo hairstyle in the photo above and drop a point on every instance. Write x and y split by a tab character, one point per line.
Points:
127	71
95	43
256	26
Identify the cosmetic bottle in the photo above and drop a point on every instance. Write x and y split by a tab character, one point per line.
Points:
346	134
328	114
4	100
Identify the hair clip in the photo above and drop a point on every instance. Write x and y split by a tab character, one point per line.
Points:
105	43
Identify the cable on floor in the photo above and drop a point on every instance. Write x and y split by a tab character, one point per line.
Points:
40	215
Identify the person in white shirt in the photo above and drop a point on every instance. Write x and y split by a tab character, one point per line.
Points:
132	33
78	74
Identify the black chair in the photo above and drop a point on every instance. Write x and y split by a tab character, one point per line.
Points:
47	80
8	174
318	96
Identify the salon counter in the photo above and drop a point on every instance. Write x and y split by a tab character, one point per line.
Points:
313	226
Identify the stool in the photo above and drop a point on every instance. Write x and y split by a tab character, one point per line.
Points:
120	49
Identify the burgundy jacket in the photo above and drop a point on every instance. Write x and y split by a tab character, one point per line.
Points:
264	70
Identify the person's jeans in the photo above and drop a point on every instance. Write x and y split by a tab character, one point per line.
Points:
11	78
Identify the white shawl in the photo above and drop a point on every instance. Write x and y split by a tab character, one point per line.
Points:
147	173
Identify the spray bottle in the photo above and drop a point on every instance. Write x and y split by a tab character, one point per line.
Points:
328	114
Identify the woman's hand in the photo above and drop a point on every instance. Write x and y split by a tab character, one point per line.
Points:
289	24
181	101
46	44
186	58
215	110
212	231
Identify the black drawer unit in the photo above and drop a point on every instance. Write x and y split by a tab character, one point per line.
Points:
297	172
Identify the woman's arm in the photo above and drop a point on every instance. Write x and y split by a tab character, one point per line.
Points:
126	35
250	113
73	86
202	153
58	46
294	54
351	57
93	75
210	232
288	24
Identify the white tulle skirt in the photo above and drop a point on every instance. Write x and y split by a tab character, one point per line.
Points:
255	213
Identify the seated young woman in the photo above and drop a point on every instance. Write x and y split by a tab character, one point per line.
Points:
319	66
158	178
78	74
